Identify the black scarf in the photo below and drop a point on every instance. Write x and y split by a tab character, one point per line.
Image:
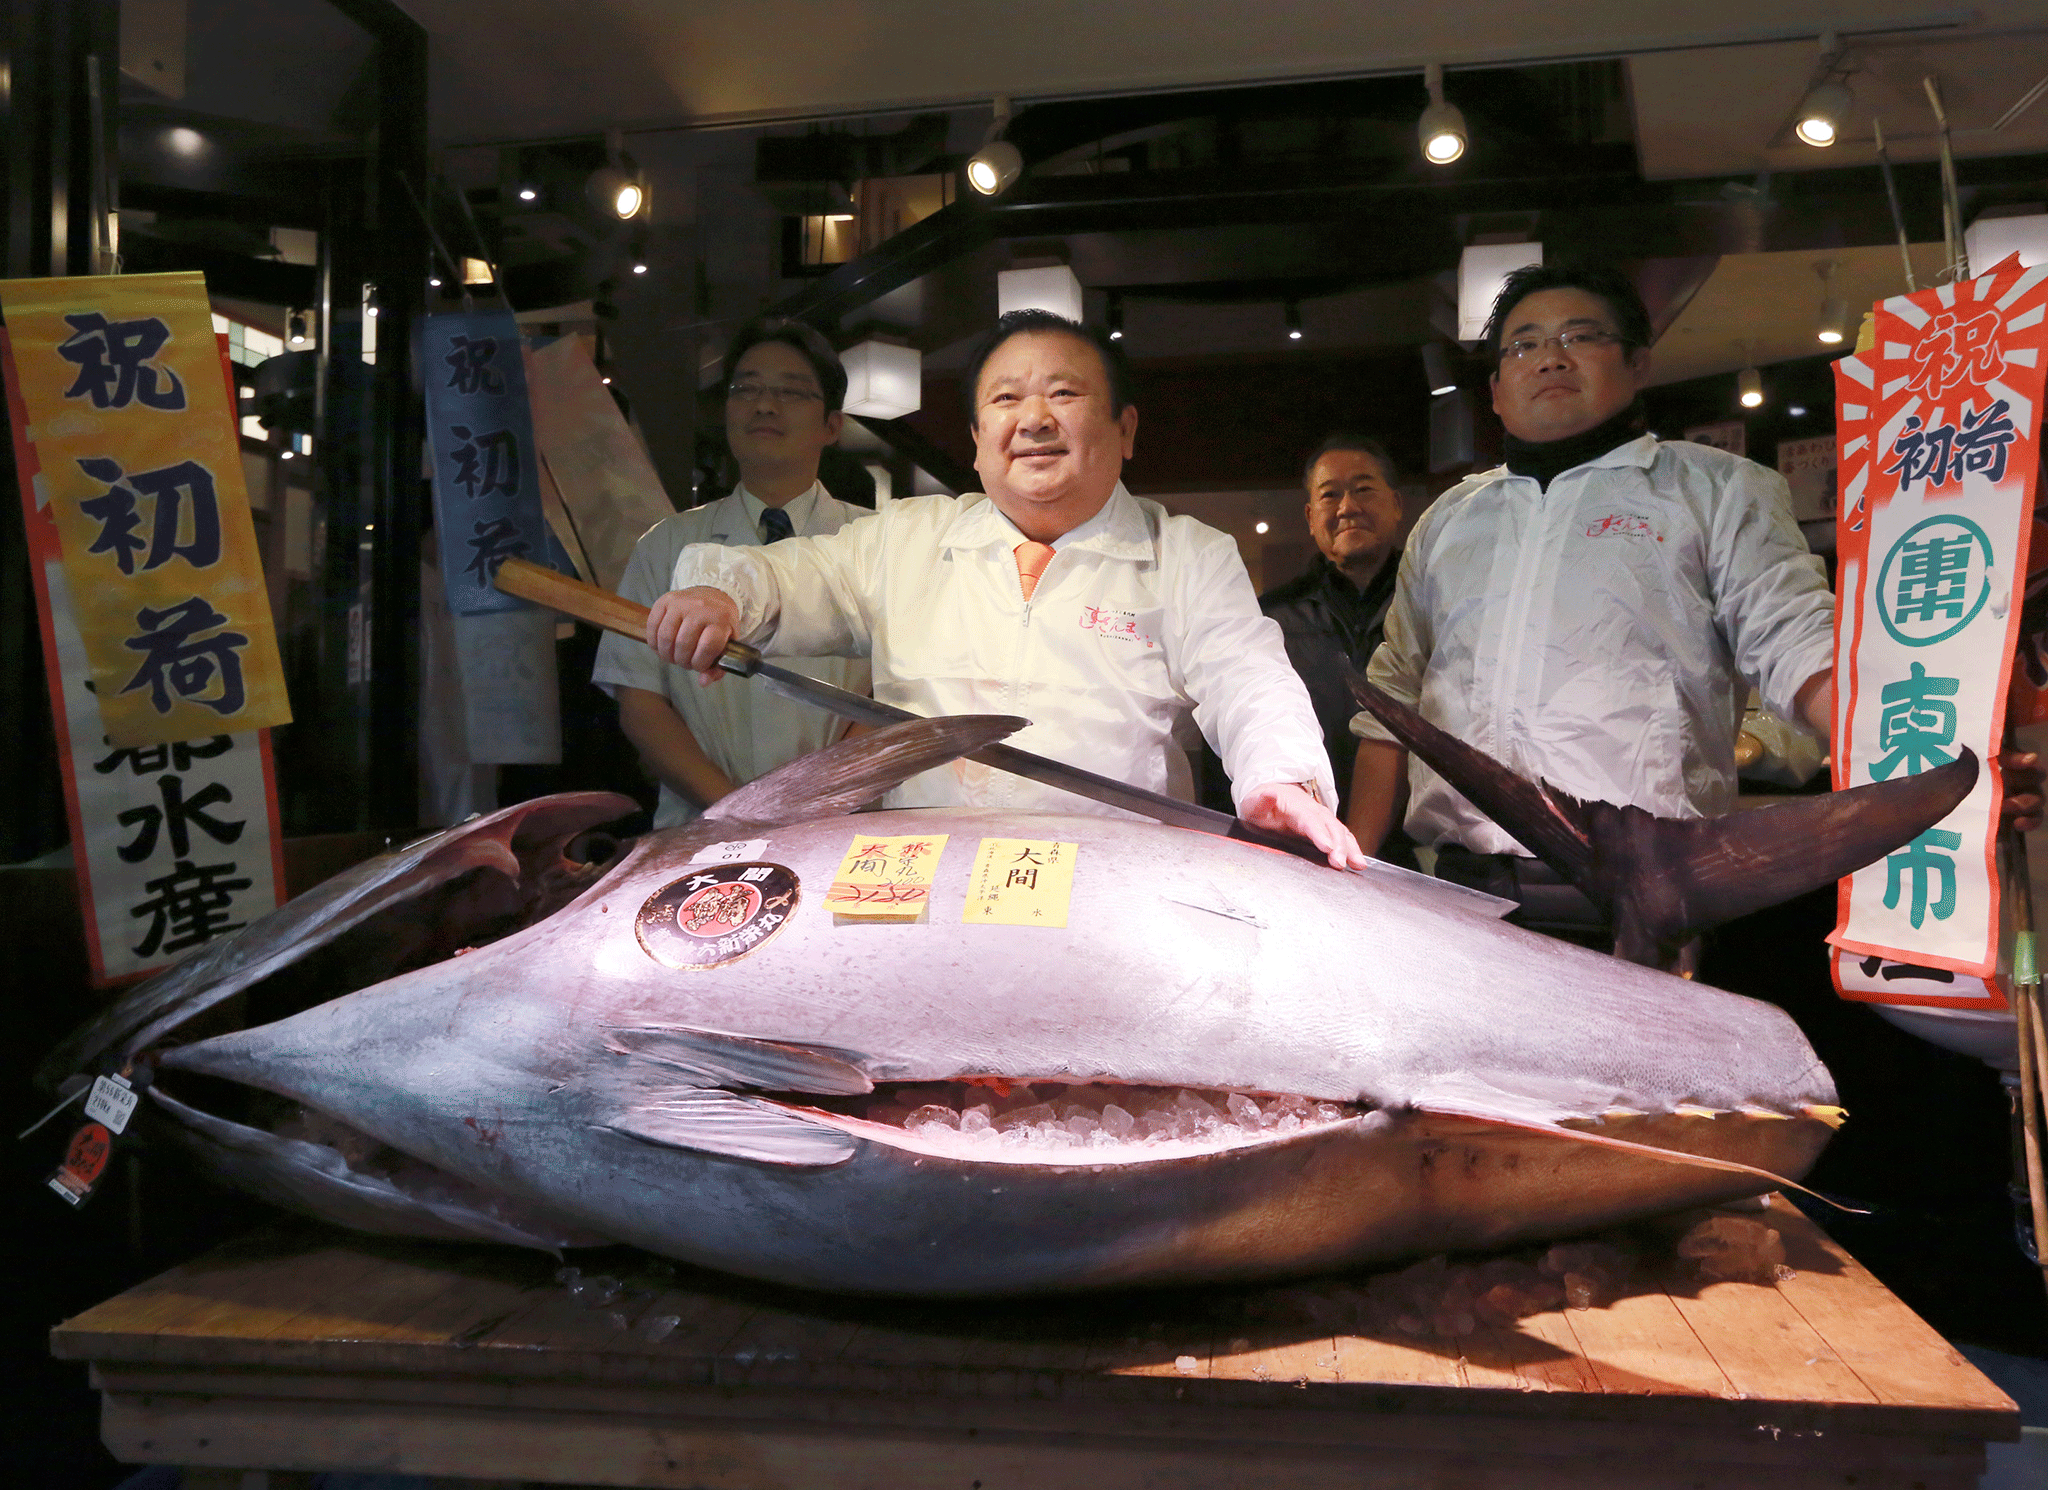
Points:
1548	459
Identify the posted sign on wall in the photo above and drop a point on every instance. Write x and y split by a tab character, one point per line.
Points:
1939	427
137	457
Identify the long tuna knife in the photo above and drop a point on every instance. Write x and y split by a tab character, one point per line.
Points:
601	608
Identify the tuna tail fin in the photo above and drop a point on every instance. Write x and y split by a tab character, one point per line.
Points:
1664	881
855	772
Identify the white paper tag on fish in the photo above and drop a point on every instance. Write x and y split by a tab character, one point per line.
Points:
112	1102
730	853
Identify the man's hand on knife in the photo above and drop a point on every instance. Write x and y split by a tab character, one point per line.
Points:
692	628
1283	807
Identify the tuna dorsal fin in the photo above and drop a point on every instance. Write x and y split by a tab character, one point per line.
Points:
714	1058
1664	881
1533	814
735	1127
1667	880
855	772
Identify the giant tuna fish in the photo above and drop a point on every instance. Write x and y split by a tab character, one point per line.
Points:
1236	1064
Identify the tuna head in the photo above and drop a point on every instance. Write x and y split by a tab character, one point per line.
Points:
1227	1062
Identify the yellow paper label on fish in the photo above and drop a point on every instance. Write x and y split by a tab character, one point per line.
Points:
886	879
125	410
1021	882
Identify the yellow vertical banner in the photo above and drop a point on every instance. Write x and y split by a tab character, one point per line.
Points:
140	463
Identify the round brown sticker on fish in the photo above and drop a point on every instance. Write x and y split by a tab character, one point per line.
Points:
716	914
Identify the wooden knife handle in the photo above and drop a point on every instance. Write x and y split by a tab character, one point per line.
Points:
584	601
573	597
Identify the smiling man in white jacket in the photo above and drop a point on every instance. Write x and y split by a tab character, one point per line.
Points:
1057	596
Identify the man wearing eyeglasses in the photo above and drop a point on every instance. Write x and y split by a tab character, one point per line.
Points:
1592	612
1057	595
783	385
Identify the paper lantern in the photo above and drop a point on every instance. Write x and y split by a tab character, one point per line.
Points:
883	381
1481	270
1053	288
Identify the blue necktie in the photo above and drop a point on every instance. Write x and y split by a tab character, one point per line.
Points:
775	526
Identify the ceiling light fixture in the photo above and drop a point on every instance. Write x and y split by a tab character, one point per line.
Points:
639	268
1833	328
998	163
1116	316
527	193
1437	370
619	192
1749	383
1294	320
433	282
1441	129
1825	109
1261	527
295	328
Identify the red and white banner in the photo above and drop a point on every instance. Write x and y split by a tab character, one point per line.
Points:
1939	444
174	844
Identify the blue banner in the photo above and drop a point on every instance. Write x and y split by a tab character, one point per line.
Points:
486	466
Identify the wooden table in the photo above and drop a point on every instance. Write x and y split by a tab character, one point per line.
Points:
302	1349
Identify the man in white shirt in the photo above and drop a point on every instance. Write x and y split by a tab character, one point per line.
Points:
783	386
1058	596
1592	612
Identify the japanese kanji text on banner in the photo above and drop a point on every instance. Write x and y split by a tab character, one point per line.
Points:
140	464
1940	439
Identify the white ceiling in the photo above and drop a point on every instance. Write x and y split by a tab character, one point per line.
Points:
1772	302
1727	112
536	69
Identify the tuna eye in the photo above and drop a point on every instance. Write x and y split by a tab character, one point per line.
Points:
593	847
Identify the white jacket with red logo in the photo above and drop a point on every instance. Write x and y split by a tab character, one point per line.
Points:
1597	634
1140	619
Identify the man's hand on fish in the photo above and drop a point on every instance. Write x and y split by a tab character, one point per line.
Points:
1284	807
692	628
2022	771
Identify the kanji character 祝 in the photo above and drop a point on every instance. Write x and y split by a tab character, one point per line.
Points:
113	360
181	664
471	358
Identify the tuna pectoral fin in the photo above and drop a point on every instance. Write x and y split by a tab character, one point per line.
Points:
712	1058
733	1127
855	772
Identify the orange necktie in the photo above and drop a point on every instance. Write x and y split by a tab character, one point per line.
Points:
1031	561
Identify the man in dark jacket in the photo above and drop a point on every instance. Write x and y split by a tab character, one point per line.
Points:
1334	613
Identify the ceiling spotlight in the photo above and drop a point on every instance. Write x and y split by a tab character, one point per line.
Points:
1116	316
639	268
611	189
1437	370
1441	129
1294	320
433	281
527	193
1823	113
994	167
1749	388
1833	327
296	328
1261	527
1797	411
998	162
